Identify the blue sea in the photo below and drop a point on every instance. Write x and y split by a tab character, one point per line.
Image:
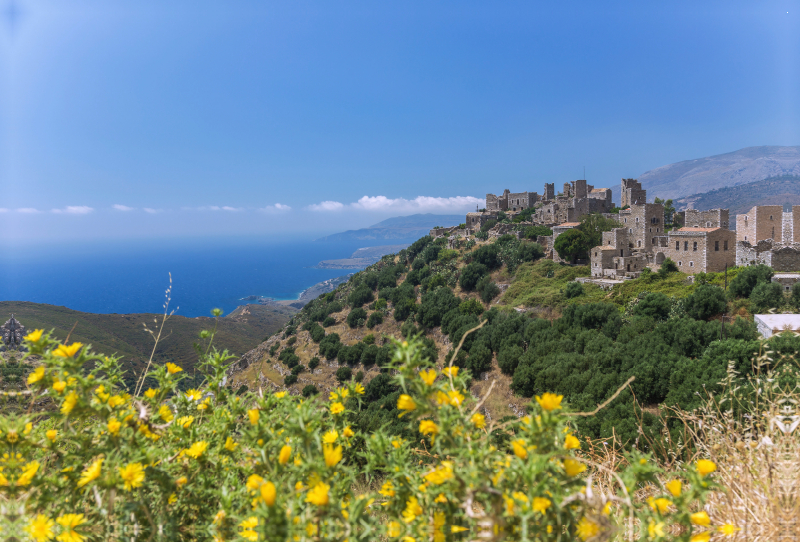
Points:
132	276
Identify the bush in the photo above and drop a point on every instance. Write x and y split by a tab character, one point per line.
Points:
532	232
529	252
313	363
655	305
316	332
471	306
359	376
488	256
572	244
434	306
795	299
297	369
330	345
289	379
369	339
359	296
291	341
431	253
471	274
403	309
748	278
573	289
488	290
479	360
381	304
357	317
328	321
667	267
767	295
374	319
482	235
343	374
706	301
310	390
508	359
488	225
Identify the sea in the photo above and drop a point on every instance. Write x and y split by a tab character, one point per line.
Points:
133	276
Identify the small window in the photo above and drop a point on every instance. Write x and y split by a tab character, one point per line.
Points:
680	263
716	246
770	217
626	220
745	238
630	230
694	246
708	224
725	245
639	243
686	245
637	219
595	254
691	264
677	245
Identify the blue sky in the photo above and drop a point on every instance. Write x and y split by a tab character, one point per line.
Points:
122	119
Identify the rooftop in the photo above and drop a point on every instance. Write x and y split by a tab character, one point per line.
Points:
698	230
568	225
779	321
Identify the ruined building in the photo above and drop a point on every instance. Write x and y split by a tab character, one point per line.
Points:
642	242
511	201
768	235
576	201
632	193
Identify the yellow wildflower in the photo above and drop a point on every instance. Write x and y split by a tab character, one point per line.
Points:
457	529
254	481
571	443
197	449
405	402
441	474
704	466
114	426
64	351
194	395
450	371
150	393
318	494
359	389
442	398
332	455
133	475
393	529
219	517
166	413
268	493
28	472
68	523
69	403
440	499
182	481
519	448
337	408
28	428
230	444
573	467
478	420
456	397
284	455
116	401
348	432
248	525
541	504
333	396
387	489
661	504
59	385
427	427
674	487
34	335
280	394
428	376
655	530
92	472
185	421
413	509
330	437
172	368
254	415
705	536
40	528
549	401
36	375
397	443
587	528
701	518
51	435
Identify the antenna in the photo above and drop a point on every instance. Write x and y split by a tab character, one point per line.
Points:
584	173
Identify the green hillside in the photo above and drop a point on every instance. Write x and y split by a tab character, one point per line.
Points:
125	334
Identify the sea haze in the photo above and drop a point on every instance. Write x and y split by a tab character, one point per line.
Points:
131	277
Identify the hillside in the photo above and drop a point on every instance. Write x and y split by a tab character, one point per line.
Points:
125	335
740	199
741	167
542	331
400	227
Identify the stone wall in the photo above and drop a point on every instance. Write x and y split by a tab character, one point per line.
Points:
702	250
714	218
632	193
644	223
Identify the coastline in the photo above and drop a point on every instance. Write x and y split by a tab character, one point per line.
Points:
312	292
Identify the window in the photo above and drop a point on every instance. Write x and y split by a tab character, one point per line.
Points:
708	224
745	238
691	264
630	230
694	246
677	245
651	230
626	220
686	245
595	254
656	230
639	243
637	219
716	246
770	217
680	263
622	252
725	245
653	240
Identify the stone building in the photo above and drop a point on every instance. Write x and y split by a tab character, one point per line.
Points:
696	250
511	201
767	235
577	200
632	193
713	218
475	220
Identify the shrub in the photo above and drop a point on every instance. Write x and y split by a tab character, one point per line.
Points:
479	360
359	296
471	306
381	304
573	289
289	379
343	374
418	264
309	390
431	253
532	232
482	235
706	301
572	244
488	290
748	278
313	363
403	309
297	369
434	306
508	359
357	317
368	339
359	376
291	341
667	267
330	345
471	274
655	305
488	225
529	252
767	295
487	255
316	332
328	322
274	348
795	299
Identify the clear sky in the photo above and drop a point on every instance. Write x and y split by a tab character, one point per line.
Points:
124	119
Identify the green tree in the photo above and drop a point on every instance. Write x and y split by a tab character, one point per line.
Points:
471	274
669	210
572	244
767	295
343	374
593	225
655	305
573	289
748	278
532	232
706	301
667	267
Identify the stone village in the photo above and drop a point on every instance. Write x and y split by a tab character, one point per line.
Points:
700	241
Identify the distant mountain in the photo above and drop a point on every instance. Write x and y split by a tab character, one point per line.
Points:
361	258
740	199
742	167
400	227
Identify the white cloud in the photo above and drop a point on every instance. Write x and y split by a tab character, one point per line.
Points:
327	206
122	208
232	209
74	210
151	211
28	210
214	208
420	204
278	207
3	210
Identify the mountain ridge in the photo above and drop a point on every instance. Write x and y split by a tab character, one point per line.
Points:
409	227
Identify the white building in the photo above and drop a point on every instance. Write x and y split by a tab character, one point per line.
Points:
769	324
